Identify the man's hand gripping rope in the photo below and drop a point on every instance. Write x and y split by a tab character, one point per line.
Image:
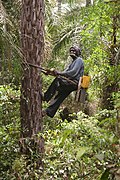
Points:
52	72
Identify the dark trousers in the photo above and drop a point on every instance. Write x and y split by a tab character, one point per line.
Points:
61	88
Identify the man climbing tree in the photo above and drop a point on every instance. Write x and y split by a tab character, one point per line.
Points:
62	87
32	39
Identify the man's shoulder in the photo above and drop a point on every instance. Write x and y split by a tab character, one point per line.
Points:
79	59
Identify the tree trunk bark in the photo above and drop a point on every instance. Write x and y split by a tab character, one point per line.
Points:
109	88
32	42
88	3
59	6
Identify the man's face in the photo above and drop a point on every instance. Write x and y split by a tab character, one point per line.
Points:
73	53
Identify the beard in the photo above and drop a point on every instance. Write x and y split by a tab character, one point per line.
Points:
73	56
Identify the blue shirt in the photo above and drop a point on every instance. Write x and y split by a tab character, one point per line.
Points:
75	70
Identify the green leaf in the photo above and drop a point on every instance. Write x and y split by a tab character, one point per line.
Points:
100	156
81	151
65	135
105	175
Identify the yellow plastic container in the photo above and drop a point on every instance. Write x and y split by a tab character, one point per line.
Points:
85	81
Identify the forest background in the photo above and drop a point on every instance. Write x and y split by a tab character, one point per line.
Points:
84	143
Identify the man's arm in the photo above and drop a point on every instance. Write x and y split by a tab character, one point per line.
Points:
75	70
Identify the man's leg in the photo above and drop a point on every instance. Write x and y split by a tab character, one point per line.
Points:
51	110
51	90
63	92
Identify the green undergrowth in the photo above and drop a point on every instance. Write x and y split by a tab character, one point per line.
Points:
87	148
9	128
80	149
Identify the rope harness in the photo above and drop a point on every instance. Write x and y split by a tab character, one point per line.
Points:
51	72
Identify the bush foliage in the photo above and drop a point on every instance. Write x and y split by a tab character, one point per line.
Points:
84	148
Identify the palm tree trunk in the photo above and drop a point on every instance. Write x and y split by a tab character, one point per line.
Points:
88	2
32	42
59	6
109	89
